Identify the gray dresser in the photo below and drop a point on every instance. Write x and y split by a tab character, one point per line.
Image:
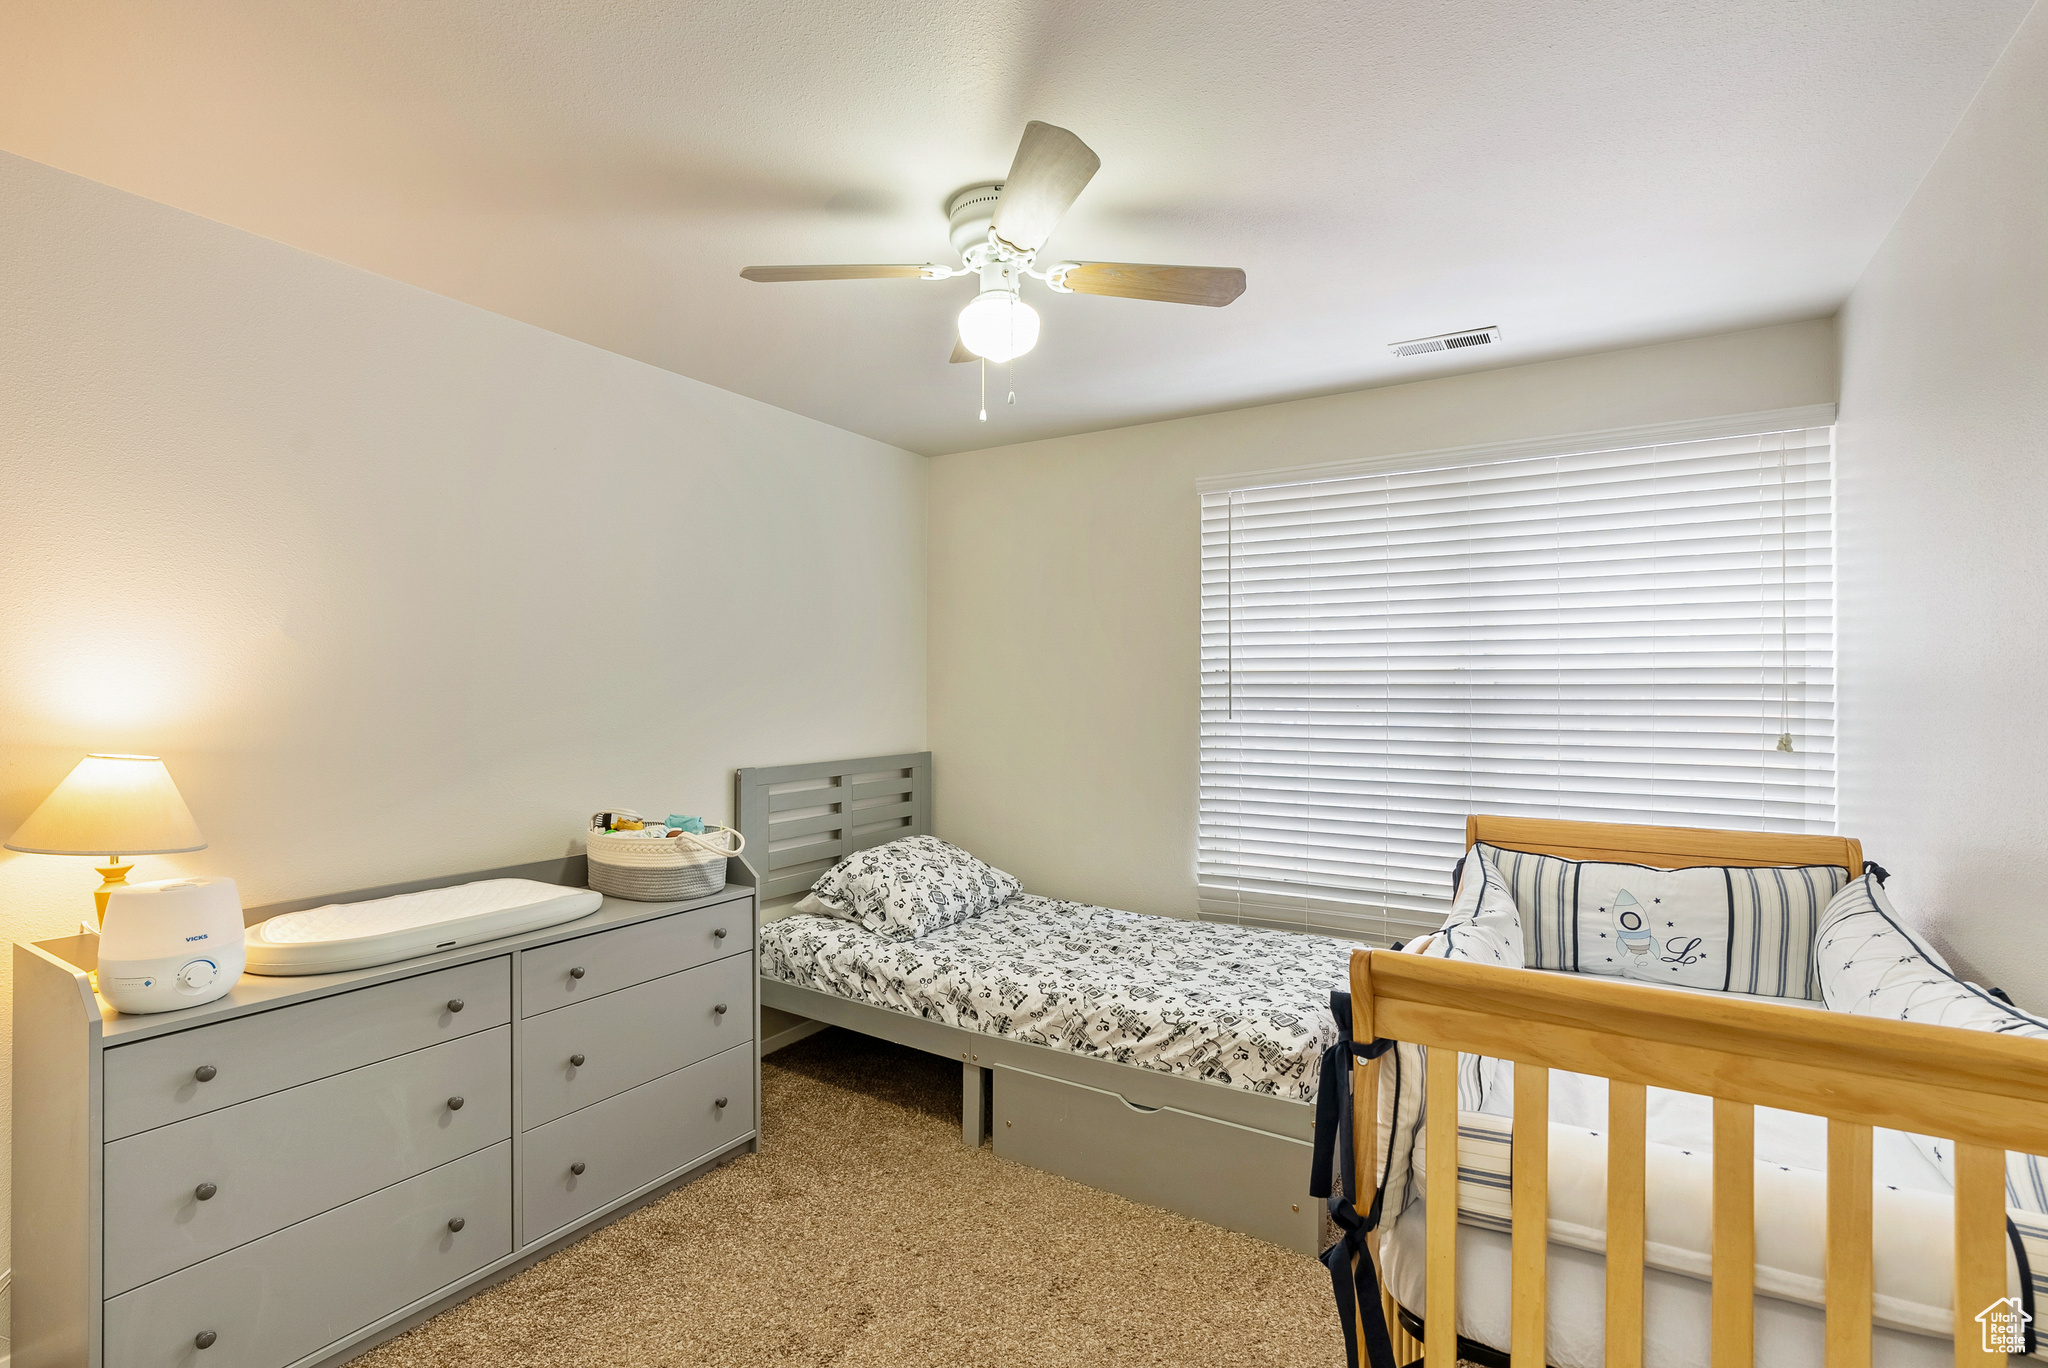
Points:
296	1171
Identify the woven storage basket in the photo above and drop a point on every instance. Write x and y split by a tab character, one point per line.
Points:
681	866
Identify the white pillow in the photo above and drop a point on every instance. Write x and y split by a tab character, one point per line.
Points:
911	887
1484	925
1872	964
1728	929
1483	928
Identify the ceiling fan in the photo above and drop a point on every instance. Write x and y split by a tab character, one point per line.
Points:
998	228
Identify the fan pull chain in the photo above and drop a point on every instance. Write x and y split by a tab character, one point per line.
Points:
1013	380
984	389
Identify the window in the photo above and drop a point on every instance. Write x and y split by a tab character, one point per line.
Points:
1619	632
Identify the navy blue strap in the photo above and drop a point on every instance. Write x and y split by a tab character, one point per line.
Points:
1353	1278
1333	1114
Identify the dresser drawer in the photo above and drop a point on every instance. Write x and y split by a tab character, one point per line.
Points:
576	970
157	1081
628	1141
282	1297
631	1036
293	1154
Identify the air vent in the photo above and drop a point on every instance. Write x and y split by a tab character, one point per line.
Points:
1475	337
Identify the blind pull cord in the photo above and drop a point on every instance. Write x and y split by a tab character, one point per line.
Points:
1784	637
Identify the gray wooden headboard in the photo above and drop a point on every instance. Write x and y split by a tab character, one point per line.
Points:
798	819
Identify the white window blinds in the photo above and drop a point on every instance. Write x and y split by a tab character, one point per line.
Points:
1610	635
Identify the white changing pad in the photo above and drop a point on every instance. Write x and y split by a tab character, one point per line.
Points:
326	940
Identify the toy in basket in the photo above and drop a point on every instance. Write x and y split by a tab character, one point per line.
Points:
631	857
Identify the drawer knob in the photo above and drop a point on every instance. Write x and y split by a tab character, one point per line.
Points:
204	1192
719	933
454	1004
206	1073
577	1060
204	1339
577	972
456	1223
455	1104
720	1009
720	1102
577	1168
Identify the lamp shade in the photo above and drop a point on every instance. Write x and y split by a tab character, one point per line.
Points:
111	805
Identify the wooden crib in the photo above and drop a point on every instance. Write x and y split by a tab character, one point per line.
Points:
1987	1092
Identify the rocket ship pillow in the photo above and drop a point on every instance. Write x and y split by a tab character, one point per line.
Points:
1662	925
1731	929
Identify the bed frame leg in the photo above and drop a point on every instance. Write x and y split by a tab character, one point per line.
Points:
974	1104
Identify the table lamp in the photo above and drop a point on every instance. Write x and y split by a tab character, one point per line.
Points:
112	806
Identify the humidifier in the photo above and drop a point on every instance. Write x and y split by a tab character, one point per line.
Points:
170	944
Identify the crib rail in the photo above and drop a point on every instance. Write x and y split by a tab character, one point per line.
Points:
1987	1092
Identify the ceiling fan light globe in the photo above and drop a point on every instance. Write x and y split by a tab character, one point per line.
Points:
998	326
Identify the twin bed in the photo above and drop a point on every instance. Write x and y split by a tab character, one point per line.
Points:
1178	1063
1173	1062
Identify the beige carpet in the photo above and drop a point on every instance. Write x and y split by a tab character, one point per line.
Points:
864	1233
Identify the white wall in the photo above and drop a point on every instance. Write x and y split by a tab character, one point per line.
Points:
396	586
1065	579
1942	490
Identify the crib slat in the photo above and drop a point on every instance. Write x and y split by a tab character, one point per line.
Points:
1440	1284
1734	1315
1980	1247
1848	1247
1407	1349
1531	1179
1626	1133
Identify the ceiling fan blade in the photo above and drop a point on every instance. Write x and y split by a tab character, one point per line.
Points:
960	352
1214	286
1051	168
769	274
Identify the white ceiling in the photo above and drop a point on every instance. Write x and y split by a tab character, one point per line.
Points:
1585	173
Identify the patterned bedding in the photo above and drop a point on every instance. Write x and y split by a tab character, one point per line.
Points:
1235	1005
